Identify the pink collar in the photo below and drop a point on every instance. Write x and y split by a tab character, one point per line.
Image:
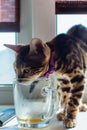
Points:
51	67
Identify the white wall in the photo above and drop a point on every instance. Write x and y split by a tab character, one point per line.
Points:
43	12
25	33
37	20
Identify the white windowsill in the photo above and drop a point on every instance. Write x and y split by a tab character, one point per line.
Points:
6	95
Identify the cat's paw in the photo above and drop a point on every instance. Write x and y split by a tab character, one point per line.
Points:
60	116
69	123
83	107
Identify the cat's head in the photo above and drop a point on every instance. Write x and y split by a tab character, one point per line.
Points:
32	60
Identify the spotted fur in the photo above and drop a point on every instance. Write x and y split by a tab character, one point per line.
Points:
70	56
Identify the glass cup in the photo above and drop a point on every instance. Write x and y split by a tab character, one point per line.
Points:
35	104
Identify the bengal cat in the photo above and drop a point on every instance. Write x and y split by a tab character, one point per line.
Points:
69	54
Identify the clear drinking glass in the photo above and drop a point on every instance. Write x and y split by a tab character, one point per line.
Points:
35	104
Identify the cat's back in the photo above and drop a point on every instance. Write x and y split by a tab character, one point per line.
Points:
67	51
79	32
63	44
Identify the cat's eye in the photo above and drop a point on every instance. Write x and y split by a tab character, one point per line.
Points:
27	71
30	71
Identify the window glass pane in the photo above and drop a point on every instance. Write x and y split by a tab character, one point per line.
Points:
7	73
66	21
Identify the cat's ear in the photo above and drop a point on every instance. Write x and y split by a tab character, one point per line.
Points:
15	48
37	46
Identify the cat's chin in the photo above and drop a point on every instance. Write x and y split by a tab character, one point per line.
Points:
26	82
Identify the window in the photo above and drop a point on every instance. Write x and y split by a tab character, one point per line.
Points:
9	26
69	13
7	73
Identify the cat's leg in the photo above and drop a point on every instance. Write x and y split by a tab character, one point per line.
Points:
65	94
78	82
83	107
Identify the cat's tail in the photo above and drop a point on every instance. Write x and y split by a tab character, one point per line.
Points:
79	32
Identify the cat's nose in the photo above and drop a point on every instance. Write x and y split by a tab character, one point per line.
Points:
19	79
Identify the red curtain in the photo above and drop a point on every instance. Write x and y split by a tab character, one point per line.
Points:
71	6
9	15
70	0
